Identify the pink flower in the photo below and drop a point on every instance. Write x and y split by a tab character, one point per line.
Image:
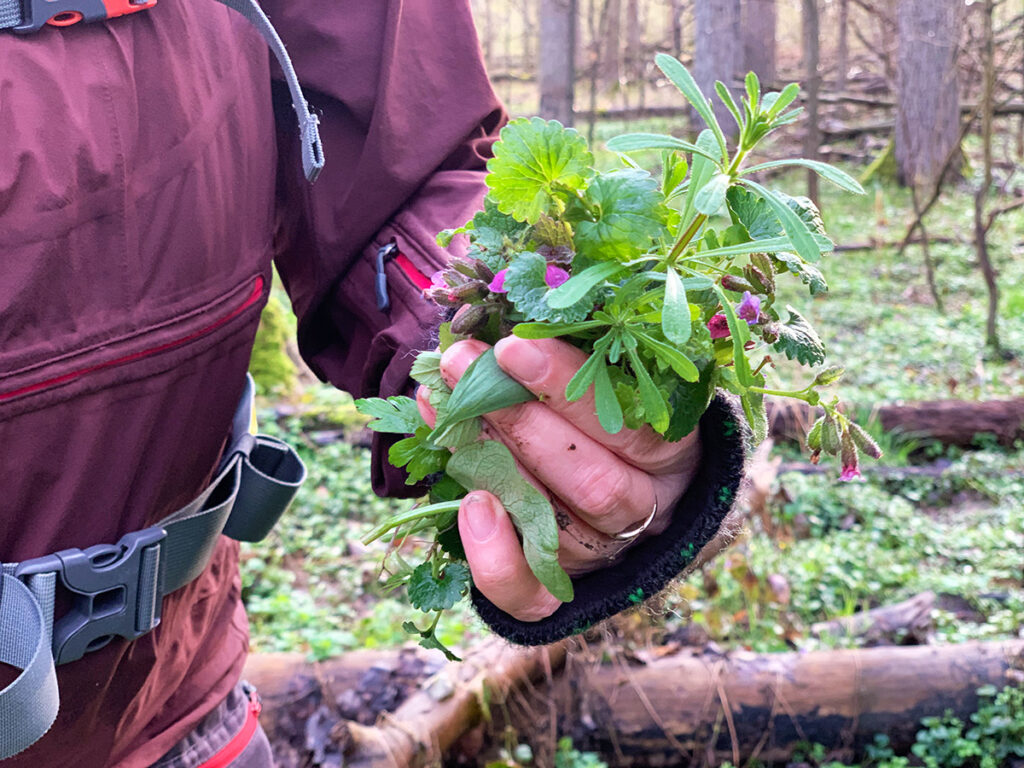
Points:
438	281
498	283
849	473
750	308
555	276
719	327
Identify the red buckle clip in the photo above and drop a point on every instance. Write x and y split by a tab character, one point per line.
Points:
66	13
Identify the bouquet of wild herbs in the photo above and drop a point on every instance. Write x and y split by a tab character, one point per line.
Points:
668	284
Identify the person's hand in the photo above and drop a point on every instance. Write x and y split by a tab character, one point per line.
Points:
599	484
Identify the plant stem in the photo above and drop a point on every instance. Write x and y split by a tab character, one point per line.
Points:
416	513
802	394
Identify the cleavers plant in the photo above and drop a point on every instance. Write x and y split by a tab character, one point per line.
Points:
667	283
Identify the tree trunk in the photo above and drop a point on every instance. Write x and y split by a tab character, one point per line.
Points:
675	9
611	44
718	51
635	57
951	422
981	228
557	70
759	22
843	52
682	709
928	112
812	51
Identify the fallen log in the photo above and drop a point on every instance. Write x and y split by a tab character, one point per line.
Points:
686	708
905	623
951	422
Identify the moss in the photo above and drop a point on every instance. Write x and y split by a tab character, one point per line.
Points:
273	370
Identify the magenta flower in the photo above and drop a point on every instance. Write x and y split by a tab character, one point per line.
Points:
849	473
498	283
555	276
437	280
719	327
750	308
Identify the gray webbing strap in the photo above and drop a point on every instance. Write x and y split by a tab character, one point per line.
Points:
258	479
28	706
309	123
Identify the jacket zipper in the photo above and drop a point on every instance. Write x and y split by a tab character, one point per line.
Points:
253	297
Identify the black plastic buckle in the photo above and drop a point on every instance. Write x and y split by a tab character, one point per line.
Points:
66	13
384	254
117	590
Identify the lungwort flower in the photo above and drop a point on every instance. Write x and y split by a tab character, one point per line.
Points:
750	308
719	327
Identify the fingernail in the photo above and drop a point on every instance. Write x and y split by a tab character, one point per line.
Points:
481	516
522	359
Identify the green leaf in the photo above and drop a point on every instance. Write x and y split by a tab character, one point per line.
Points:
753	213
730	103
674	170
426	370
489	466
533	160
429	640
679	362
757	415
740	334
634	142
796	228
770	245
701	170
828	172
675	314
753	86
527	289
418	455
798	340
711	197
609	410
578	286
483	388
809	274
683	80
805	208
553	330
782	99
437	594
655	408
396	414
630	213
689	401
584	377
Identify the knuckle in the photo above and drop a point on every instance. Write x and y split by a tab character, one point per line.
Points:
492	573
539	609
603	489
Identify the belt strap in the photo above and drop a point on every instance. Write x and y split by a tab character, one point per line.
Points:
117	590
12	17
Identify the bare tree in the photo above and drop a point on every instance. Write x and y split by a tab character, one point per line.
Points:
759	23
843	48
718	49
928	110
557	72
675	23
611	42
635	57
812	56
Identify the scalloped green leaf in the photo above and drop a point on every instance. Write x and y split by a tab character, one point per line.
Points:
630	211
534	161
799	341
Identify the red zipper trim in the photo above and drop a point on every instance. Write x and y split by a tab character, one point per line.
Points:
252	298
241	740
420	280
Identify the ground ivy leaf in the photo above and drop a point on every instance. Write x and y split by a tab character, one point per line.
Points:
533	159
429	640
753	213
426	370
489	466
483	388
437	594
689	401
809	274
395	414
528	290
630	213
798	340
418	455
578	286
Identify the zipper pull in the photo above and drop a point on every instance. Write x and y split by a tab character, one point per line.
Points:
384	254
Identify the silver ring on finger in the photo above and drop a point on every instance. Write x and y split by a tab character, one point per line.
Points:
632	533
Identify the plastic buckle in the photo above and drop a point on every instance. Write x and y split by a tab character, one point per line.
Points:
117	590
65	13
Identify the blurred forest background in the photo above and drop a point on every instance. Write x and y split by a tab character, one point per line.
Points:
878	623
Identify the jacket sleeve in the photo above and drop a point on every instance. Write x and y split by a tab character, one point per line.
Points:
407	119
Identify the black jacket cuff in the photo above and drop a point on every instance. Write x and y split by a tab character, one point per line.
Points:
650	565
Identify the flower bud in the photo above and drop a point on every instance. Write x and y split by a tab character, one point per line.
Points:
830	375
469	318
474	289
737	284
483	272
865	442
814	435
850	469
761	281
442	296
830	436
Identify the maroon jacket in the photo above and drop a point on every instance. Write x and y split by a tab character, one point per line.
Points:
144	190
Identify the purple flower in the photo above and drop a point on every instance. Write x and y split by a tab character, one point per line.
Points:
555	276
719	327
750	308
498	283
438	281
